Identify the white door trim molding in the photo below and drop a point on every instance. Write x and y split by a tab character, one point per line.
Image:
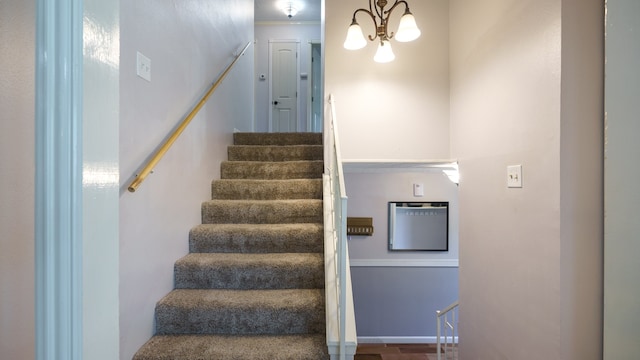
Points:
58	193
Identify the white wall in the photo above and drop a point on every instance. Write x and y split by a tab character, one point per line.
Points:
527	256
101	60
189	44
622	244
264	32
17	77
398	110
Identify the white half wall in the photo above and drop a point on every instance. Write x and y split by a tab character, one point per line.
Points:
189	44
17	169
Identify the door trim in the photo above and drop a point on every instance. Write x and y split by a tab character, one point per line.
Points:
58	178
310	85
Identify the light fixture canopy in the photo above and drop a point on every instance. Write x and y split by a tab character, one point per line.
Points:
407	29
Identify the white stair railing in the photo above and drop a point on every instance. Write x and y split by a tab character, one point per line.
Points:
447	332
341	328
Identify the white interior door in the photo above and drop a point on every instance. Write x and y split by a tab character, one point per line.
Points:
284	86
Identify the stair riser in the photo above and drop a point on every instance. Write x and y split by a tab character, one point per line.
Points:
239	321
220	347
277	138
271	170
261	212
266	189
292	239
275	153
302	276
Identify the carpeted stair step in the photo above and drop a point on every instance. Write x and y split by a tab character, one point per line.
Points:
238	189
257	238
262	211
275	153
271	170
221	347
277	138
250	271
241	312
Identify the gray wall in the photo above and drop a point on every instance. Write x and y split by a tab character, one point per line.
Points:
17	153
622	242
396	293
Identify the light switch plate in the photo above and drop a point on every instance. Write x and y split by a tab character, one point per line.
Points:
514	176
143	66
418	190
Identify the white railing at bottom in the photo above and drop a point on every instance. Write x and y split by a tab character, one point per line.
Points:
447	328
341	327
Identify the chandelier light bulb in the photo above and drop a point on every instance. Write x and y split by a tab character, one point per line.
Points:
355	38
385	53
407	30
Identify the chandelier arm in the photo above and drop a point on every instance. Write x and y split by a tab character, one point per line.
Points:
373	18
373	7
398	2
388	13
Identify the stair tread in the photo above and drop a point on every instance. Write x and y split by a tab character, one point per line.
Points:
266	189
256	138
214	311
240	259
257	238
262	211
250	271
275	153
308	169
260	229
224	347
222	298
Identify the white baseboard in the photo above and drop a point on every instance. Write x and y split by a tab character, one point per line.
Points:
400	339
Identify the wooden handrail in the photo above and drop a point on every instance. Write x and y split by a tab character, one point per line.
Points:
176	133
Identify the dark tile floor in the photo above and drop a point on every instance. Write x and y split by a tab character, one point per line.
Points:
396	352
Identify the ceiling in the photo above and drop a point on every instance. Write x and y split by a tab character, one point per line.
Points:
268	10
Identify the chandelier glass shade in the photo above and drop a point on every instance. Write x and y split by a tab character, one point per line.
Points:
407	29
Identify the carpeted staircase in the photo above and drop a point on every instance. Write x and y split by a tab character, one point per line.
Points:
252	286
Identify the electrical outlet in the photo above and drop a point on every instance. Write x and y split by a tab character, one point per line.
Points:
514	176
143	66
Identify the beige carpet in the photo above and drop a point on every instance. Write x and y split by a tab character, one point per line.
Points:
252	286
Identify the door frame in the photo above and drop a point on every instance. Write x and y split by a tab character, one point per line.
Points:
271	42
310	83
